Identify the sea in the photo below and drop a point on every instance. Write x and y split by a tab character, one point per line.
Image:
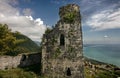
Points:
108	53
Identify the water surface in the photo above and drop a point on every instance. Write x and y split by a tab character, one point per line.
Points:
108	53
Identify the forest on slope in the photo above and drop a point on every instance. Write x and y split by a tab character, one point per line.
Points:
14	43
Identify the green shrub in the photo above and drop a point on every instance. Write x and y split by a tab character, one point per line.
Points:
69	17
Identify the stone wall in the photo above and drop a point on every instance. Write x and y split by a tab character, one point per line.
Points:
22	60
62	55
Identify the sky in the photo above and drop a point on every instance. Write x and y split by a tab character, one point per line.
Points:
100	18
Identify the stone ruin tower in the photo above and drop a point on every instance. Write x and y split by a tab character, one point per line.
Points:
62	46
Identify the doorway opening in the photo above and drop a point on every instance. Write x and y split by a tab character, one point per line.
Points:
68	72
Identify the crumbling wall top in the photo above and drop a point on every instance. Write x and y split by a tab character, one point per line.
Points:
68	8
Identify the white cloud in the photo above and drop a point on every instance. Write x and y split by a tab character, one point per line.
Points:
38	21
105	36
29	17
6	7
108	19
33	28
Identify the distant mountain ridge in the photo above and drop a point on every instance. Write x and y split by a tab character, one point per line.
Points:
37	42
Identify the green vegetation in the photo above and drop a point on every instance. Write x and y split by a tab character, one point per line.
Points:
100	73
28	44
8	42
53	40
14	43
95	69
48	30
69	17
26	72
57	53
16	73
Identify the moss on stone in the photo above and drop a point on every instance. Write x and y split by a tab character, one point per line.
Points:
57	53
69	17
70	49
53	40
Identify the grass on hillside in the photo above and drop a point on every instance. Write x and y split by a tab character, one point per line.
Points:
26	72
34	72
99	73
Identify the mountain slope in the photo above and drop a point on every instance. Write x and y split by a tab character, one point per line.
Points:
28	43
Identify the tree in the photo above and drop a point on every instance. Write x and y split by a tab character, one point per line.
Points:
6	39
8	42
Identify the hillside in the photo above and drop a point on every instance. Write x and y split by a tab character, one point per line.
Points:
14	43
96	69
27	44
37	42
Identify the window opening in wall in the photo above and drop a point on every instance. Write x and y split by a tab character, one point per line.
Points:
23	58
62	40
68	72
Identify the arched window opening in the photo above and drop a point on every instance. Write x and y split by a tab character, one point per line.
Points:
68	72
62	40
23	57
